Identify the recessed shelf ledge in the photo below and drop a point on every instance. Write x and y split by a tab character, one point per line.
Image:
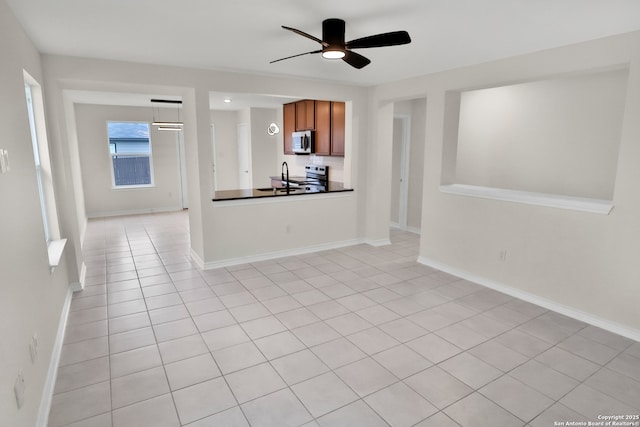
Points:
583	204
55	249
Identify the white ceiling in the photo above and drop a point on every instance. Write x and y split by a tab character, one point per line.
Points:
216	99
244	35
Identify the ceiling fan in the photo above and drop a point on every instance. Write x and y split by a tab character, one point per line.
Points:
334	46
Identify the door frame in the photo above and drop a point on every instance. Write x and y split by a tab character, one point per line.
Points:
404	169
214	172
243	129
182	166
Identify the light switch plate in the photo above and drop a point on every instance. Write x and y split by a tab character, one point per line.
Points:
33	348
4	161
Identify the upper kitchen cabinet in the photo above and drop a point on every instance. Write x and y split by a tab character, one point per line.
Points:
323	128
327	118
305	115
289	113
330	118
337	128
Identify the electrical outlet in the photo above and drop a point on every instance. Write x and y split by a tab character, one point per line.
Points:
19	388
503	255
33	348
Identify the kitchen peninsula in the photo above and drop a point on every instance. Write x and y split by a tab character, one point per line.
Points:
255	193
252	228
315	181
275	225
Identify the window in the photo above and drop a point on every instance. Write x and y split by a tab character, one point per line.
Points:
36	157
130	151
40	145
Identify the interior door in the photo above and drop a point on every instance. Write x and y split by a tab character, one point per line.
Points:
244	156
214	159
400	172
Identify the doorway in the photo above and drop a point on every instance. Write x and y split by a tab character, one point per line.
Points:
244	156
408	159
400	171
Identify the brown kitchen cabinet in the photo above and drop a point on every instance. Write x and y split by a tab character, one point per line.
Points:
323	128
337	128
289	113
327	118
330	118
305	115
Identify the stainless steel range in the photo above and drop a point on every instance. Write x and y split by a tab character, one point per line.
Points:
317	178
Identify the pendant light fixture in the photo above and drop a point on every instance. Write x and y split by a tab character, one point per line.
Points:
164	124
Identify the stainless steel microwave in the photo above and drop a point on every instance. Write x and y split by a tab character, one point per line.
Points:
303	142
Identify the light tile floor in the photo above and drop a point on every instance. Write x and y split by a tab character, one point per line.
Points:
360	336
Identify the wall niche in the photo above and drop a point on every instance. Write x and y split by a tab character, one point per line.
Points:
558	136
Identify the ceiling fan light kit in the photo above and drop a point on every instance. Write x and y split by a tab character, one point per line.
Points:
334	53
334	46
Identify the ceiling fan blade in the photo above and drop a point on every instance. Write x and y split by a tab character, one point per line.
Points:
380	40
293	56
309	36
355	59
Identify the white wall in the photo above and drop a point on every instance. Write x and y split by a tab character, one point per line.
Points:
32	298
264	147
396	169
558	135
578	261
416	163
100	197
226	146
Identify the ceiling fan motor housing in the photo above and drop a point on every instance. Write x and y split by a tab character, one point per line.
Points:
333	30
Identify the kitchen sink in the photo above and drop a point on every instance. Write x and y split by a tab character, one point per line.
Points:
282	190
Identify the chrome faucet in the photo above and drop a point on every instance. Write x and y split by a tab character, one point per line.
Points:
282	171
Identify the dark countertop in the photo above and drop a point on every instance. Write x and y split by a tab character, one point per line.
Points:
255	193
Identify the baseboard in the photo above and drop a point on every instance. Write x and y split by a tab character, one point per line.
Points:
50	382
196	258
276	254
377	242
76	287
133	212
409	229
414	230
572	312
